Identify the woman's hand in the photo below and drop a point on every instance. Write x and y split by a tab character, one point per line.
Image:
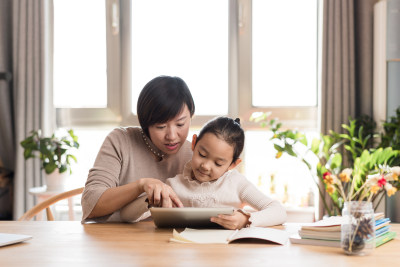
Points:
235	221
159	194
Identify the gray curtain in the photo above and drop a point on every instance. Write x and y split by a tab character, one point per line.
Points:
26	101
6	122
347	53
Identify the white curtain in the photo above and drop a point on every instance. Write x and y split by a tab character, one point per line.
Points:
32	89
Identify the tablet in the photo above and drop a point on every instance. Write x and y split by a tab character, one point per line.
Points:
187	217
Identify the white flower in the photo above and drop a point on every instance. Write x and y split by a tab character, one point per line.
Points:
373	178
389	177
395	170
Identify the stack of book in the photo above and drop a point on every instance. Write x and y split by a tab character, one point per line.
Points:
327	232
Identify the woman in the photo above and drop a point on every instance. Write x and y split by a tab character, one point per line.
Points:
133	162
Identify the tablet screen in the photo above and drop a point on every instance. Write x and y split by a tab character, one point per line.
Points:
187	217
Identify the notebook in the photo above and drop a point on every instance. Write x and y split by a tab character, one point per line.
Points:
215	236
187	217
8	239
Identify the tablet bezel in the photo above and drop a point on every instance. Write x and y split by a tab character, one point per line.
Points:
187	217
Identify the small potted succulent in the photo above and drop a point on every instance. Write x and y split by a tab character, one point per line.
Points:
55	154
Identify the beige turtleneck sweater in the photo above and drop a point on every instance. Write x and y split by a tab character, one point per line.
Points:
124	158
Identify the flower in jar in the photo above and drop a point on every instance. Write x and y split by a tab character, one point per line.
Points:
390	190
328	178
345	175
381	181
330	189
375	189
395	172
373	178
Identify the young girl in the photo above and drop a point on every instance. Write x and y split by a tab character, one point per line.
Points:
209	179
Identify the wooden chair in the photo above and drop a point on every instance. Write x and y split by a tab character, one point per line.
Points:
47	203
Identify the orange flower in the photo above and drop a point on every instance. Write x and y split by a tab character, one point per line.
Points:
278	155
375	189
328	179
330	189
390	190
345	175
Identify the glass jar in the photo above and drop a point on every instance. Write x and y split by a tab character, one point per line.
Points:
358	229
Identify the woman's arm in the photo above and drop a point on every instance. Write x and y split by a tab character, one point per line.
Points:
158	193
115	198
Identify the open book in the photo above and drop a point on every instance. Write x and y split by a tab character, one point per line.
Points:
215	236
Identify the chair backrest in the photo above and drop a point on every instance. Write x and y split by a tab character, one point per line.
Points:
47	203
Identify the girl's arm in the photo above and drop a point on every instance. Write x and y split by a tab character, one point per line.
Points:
269	211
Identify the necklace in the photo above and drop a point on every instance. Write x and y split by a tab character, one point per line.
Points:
158	154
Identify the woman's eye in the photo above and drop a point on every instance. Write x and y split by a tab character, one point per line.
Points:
219	165
160	127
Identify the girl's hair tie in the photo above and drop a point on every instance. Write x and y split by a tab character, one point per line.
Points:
237	120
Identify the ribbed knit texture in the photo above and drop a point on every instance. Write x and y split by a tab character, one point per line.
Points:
230	190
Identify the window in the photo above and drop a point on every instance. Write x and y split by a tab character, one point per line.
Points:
78	42
284	68
237	57
182	38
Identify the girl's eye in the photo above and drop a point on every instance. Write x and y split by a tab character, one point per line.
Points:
201	155
181	125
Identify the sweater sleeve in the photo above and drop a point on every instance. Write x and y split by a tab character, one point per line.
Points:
105	172
136	210
269	211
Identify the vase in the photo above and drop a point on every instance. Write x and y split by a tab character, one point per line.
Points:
56	181
358	228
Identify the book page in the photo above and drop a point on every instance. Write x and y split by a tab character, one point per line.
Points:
202	236
269	234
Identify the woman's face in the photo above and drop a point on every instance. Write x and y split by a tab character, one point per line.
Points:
170	136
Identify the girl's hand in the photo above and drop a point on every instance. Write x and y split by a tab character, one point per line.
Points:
235	221
159	194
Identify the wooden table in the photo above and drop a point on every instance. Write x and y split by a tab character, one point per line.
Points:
73	244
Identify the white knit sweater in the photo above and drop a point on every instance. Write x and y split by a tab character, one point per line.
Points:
232	190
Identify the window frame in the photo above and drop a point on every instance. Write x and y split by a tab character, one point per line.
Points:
118	110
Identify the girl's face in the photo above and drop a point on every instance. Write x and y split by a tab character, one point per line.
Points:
170	136
212	157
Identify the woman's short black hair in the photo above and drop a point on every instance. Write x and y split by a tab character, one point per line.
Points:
228	130
161	100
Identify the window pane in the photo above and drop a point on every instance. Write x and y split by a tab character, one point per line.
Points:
80	78
90	141
185	38
284	53
287	179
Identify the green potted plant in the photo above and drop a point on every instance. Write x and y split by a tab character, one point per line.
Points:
367	174
55	154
